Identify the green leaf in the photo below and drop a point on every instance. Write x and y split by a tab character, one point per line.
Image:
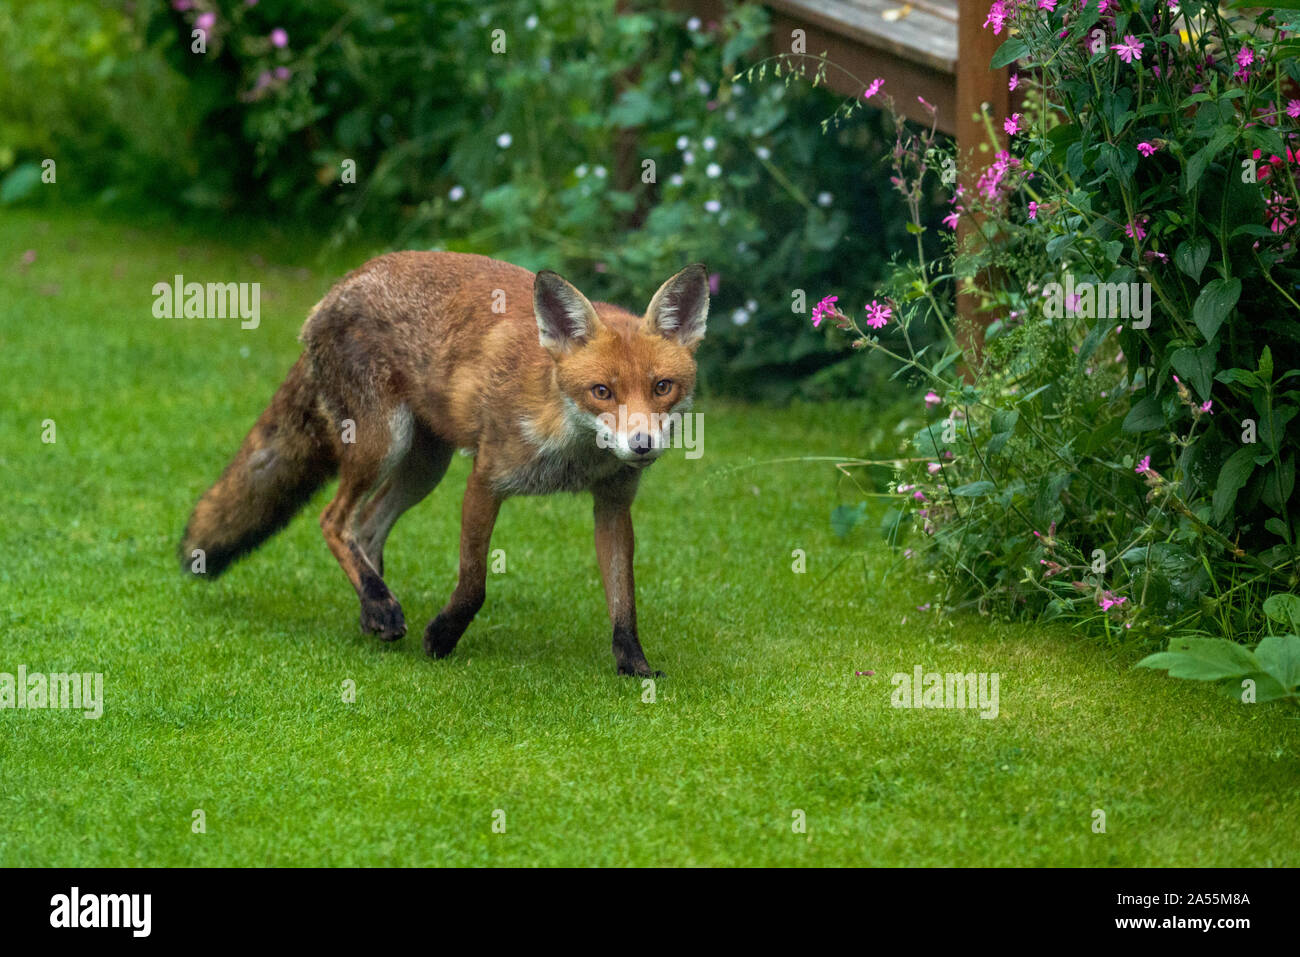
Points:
1266	687
1196	366
1010	51
1202	659
1214	303
20	184
1191	256
1196	165
1284	609
974	489
1145	415
1234	474
1279	657
844	518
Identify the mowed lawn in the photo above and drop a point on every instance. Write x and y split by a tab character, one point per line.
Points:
228	697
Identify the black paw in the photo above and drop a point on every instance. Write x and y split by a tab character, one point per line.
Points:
640	669
383	618
441	636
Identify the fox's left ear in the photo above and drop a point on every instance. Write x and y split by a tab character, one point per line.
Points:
681	306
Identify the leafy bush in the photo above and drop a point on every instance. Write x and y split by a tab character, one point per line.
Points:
1125	462
520	129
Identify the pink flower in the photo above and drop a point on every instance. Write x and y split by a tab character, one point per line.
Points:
928	106
1015	77
1033	210
715	283
282	72
997	17
933	467
991	179
1146	149
1293	109
206	21
1205	407
1109	600
1048	5
919	495
877	315
951	219
1244	58
823	309
1135	230
1130	50
279	38
1144	466
874	88
932	399
1012	124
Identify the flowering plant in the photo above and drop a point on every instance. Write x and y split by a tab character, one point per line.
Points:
1116	449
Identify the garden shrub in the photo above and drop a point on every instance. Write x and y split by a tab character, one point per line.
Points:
409	125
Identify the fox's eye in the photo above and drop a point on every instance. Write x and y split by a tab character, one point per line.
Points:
601	392
663	386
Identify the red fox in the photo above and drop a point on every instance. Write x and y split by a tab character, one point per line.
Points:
417	354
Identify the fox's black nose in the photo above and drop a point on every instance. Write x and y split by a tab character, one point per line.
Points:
640	443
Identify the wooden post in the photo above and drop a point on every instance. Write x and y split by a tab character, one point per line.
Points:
978	88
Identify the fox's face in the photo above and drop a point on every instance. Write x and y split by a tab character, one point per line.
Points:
626	381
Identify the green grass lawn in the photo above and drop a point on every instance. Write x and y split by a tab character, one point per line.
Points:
226	697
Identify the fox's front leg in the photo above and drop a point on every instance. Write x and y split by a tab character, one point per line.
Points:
614	547
478	514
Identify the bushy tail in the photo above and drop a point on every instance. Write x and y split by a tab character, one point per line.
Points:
287	456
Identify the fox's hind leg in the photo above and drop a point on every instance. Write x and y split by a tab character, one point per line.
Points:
365	464
413	478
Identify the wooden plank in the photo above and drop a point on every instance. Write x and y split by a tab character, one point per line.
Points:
904	79
923	32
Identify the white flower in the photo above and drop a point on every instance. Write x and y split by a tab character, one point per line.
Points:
600	172
693	24
531	22
709	144
740	317
703	87
683	142
741	247
713	170
580	171
504	140
824	198
712	206
675	76
688	157
456	193
676	179
751	305
763	153
737	90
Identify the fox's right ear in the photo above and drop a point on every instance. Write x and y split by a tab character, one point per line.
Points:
565	318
